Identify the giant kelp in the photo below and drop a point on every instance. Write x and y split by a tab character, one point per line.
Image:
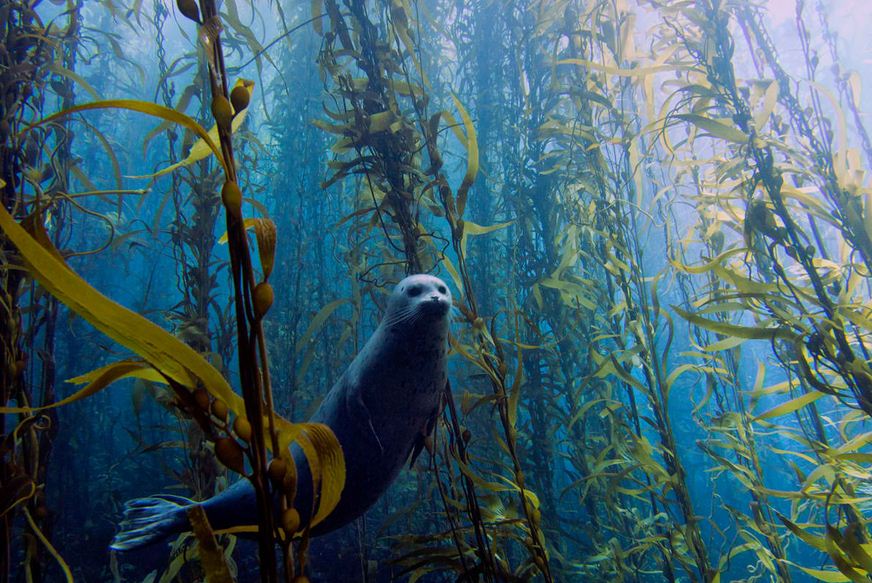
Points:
660	251
30	50
200	390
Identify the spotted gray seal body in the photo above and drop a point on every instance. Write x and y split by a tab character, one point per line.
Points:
381	409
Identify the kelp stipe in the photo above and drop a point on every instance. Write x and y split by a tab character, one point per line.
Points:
31	50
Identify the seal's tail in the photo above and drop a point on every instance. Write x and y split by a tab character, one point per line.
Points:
147	520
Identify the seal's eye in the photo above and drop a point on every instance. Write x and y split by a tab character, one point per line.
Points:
442	289
415	290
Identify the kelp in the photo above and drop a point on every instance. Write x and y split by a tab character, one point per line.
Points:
792	265
484	350
661	273
190	376
31	49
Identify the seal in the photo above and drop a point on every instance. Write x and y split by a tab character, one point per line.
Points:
381	409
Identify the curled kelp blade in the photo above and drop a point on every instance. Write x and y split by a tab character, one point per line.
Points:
265	232
326	463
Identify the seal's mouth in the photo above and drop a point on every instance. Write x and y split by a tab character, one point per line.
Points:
435	307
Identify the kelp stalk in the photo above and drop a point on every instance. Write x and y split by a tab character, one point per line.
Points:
27	49
255	386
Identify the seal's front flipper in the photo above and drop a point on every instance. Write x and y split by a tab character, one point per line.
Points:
148	520
417	448
418	444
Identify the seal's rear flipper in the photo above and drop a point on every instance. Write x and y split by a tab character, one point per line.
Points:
148	520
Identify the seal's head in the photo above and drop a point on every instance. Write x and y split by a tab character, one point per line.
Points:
421	297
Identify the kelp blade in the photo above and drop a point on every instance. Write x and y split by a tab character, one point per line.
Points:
97	380
211	554
168	355
172	357
152	109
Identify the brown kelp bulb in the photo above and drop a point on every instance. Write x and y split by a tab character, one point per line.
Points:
230	454
201	398
220	409
231	196
277	470
263	298
301	579
242	428
240	98
290	520
189	9
466	435
222	111
41	511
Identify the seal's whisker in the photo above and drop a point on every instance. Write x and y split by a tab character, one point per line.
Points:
400	316
395	320
415	317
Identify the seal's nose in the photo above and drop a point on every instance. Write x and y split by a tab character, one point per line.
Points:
434	298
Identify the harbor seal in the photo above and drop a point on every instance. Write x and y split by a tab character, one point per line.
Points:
381	409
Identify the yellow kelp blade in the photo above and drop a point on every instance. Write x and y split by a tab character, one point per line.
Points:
152	109
99	379
470	228
211	554
204	146
824	575
172	357
733	552
17	490
180	559
790	406
471	142
326	464
747	332
318	321
265	233
168	355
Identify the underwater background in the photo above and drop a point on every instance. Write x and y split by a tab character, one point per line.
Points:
655	218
